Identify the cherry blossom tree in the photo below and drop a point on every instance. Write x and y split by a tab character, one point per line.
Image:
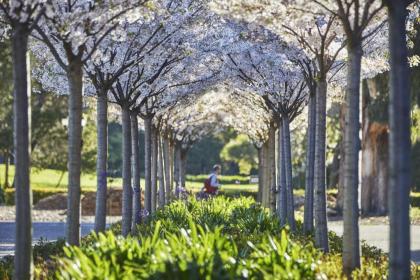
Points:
360	19
264	64
21	17
320	37
195	116
112	59
72	31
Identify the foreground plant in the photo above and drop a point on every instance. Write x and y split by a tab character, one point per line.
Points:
191	253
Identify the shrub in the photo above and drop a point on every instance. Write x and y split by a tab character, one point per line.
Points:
6	267
191	253
43	252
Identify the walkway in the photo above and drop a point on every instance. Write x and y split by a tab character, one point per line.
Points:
47	230
378	235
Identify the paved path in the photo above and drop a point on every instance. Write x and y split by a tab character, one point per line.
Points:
47	230
377	235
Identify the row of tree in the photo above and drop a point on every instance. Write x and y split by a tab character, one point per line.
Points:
149	57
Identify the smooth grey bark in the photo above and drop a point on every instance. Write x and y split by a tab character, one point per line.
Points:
320	201
167	166
272	162
172	167
127	199
267	173
23	267
154	167
308	214
281	193
400	146
340	187
6	169
161	177
101	162
177	176
288	174
351	243
135	161
75	79
147	164
265	184
260	173
183	171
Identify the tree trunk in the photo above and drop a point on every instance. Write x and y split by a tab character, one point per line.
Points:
308	218
400	146
351	244
340	187
154	168
161	177
320	201
135	151
172	167
374	192
167	165
148	164
23	268
273	178
127	199
177	171
101	162
265	175
183	171
288	174
75	78
260	174
282	193
6	170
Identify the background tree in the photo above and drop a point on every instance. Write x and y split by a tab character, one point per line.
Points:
400	145
6	114
72	32
242	151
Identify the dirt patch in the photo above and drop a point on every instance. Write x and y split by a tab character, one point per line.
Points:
59	202
54	202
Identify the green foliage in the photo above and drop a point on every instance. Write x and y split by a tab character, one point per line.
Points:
204	154
115	148
242	151
49	136
43	249
220	238
6	267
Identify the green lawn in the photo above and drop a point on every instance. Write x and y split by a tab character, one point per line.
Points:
49	178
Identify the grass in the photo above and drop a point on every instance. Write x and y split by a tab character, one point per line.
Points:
50	178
